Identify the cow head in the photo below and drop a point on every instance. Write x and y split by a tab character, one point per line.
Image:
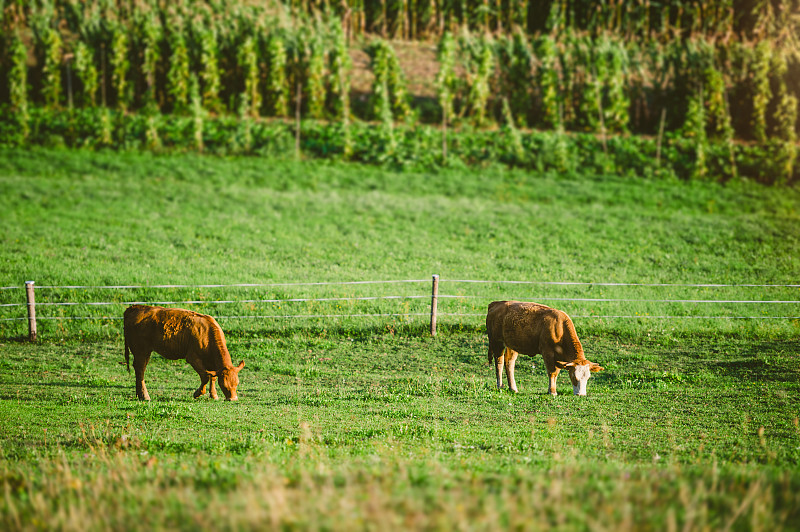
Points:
579	373
228	380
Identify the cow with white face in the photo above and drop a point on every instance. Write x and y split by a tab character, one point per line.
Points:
515	327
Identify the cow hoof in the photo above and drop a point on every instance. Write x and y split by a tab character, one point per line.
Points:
512	390
197	394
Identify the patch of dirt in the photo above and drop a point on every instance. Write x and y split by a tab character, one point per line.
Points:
417	59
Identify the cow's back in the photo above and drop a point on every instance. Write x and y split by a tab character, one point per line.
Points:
528	328
171	332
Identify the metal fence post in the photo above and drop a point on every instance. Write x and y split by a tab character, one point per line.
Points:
434	303
31	311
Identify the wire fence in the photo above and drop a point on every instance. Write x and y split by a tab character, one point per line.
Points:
459	298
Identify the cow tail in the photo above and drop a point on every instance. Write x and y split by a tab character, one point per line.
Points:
127	353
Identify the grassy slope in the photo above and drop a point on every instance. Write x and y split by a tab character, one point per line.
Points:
381	423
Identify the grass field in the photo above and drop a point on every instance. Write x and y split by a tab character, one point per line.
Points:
364	422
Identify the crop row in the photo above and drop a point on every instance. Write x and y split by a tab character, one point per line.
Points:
192	59
413	147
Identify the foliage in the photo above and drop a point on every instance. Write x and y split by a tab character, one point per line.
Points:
786	120
762	95
277	83
179	75
446	77
616	104
87	73
515	60
50	43
389	88
120	65
340	67
210	75
314	62
548	84
578	69
198	112
413	146
248	62
479	72
150	34
18	88
695	132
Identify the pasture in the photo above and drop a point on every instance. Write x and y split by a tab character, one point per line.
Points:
359	422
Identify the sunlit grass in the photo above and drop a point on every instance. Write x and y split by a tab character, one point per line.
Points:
347	420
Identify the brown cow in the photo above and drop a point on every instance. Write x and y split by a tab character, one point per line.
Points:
529	328
177	334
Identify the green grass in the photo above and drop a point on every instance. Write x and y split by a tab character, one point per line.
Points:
347	423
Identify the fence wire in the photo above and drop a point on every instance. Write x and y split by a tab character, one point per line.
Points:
50	289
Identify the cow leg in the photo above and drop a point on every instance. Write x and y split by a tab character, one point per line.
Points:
211	390
498	369
510	361
496	354
140	360
204	378
553	376
552	372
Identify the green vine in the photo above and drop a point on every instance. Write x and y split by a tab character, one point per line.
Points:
198	113
18	85
718	114
547	81
388	89
51	70
481	71
277	82
785	120
151	36
340	66
210	74
446	80
248	62
178	77
762	92
515	61
120	64
86	72
617	102
315	75
694	130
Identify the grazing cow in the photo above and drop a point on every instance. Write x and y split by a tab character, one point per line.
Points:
529	328
177	334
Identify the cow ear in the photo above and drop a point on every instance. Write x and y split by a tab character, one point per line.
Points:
240	366
570	365
596	367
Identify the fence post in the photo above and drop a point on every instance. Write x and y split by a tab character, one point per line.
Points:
31	311
434	303
297	120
